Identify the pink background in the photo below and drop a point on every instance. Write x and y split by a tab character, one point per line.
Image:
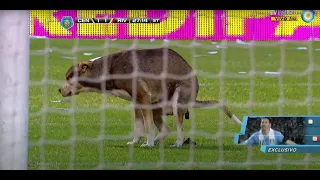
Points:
254	29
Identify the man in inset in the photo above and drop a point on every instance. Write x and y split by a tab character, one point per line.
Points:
266	135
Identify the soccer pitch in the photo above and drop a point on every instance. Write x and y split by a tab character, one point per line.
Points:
58	139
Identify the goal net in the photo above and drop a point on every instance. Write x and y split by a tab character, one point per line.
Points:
43	130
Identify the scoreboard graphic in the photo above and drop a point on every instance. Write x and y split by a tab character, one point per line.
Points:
290	134
67	22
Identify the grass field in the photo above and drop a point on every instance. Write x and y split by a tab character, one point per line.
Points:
96	137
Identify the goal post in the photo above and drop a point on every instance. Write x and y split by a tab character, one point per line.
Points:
14	89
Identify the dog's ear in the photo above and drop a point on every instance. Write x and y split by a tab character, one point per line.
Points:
70	73
84	66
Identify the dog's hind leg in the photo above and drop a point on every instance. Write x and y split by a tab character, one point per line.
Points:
138	127
163	129
181	96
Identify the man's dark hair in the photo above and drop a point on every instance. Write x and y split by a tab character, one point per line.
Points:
270	121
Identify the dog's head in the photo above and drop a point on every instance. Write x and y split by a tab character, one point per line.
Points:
73	85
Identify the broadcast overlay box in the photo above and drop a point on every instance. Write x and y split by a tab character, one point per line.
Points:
281	134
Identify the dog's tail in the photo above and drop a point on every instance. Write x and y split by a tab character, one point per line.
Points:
214	103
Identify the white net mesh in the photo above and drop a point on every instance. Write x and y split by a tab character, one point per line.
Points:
255	78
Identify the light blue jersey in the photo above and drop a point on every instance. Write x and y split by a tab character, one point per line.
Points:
259	139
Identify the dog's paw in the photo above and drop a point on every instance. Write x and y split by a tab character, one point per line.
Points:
188	141
147	145
156	141
176	145
132	142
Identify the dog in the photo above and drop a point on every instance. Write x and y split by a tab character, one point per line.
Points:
149	78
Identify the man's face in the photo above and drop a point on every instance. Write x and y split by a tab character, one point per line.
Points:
265	124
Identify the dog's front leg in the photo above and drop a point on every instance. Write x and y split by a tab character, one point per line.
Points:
149	124
151	132
138	127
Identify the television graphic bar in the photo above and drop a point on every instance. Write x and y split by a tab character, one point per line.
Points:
281	134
